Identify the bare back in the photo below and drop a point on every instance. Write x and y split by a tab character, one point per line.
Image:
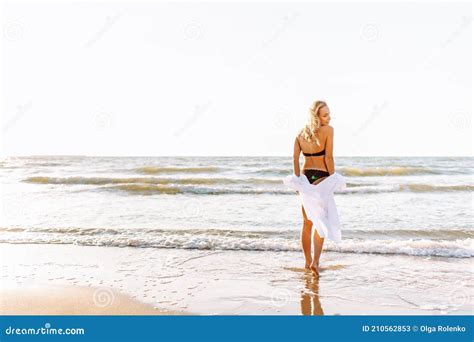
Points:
314	162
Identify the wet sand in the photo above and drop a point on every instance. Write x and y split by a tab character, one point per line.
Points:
50	279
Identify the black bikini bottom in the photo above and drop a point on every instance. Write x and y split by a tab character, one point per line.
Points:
314	175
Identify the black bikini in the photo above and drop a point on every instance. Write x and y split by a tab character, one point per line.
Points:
314	174
320	153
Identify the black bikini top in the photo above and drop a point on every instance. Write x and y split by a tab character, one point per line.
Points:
320	153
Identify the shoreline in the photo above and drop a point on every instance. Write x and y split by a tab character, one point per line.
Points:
202	282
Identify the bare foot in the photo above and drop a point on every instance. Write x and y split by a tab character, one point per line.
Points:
307	265
314	267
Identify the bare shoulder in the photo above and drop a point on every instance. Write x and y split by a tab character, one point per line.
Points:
298	135
327	129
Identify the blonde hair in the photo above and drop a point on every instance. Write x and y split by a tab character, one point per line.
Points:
308	132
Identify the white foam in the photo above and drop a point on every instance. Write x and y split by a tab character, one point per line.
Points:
215	240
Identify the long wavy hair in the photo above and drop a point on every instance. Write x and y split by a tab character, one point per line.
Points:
308	132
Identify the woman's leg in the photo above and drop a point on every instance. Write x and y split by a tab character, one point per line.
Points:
318	247
306	239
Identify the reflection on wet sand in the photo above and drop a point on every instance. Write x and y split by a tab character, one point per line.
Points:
310	304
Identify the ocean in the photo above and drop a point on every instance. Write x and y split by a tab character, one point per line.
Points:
392	205
220	235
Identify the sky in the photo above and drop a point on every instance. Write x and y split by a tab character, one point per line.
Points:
235	79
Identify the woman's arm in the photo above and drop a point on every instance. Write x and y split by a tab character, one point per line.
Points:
296	157
328	158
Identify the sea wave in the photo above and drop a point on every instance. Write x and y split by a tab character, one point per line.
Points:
215	239
443	234
152	189
227	185
384	171
175	169
148	180
431	188
409	187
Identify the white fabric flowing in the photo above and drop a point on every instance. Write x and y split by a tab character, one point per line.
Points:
318	202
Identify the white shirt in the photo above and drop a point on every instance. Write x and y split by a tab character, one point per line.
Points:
318	202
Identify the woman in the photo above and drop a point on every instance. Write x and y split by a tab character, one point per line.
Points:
315	140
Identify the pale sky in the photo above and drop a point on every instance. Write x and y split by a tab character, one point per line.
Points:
235	78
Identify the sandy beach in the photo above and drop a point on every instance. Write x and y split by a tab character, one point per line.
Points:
69	279
167	158
72	300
